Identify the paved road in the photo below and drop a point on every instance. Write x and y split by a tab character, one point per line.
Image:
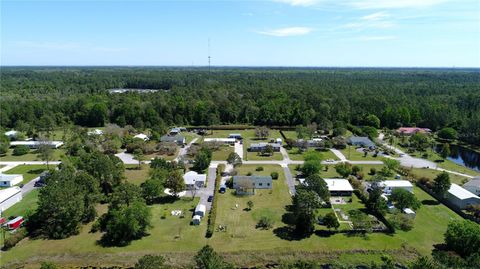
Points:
339	155
183	151
29	163
284	152
290	180
126	158
239	149
30	186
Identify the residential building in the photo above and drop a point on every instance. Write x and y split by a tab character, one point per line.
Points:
258	147
339	187
196	220
413	130
10	180
228	141
390	185
12	134
248	184
174	131
36	144
194	180
473	186
361	141
236	136
144	137
95	132
178	139
200	210
460	197
9	197
311	143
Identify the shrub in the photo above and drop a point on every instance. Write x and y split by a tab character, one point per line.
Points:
274	175
265	223
258	169
11	241
249	173
402	222
213	211
21	150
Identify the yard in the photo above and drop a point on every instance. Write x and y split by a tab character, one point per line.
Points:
58	154
24	207
431	174
222	153
352	154
295	155
29	172
136	176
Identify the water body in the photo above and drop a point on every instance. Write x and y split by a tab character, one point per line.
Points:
463	156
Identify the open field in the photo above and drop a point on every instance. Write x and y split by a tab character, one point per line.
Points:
352	154
295	155
136	176
58	154
431	174
222	153
29	172
189	136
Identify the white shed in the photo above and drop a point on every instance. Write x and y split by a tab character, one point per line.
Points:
461	197
9	197
196	220
10	180
409	212
144	137
390	185
200	210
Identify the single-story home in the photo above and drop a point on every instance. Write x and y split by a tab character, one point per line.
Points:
200	210
228	141
389	185
144	137
9	197
10	180
248	184
194	180
196	220
413	130
311	143
12	134
174	131
258	147
473	185
361	141
460	197
36	144
236	136
180	140
339	187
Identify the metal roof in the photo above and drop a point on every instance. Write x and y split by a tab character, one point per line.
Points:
460	192
7	193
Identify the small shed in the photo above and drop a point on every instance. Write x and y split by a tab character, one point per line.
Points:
200	210
10	180
409	212
196	220
144	137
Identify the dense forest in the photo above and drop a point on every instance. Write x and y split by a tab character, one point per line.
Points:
38	97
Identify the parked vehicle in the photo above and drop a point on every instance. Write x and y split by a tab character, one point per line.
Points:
210	198
15	223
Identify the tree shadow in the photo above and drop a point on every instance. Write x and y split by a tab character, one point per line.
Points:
288	218
168	199
324	233
289	233
35	171
430	202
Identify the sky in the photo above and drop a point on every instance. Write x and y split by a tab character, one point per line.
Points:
336	33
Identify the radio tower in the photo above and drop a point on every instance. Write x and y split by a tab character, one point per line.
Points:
209	58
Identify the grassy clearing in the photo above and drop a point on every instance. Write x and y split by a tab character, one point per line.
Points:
352	154
431	174
222	153
295	155
58	154
136	176
29	172
189	136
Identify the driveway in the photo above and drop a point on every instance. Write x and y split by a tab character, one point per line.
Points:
239	149
126	158
290	180
183	151
203	193
339	155
284	154
30	186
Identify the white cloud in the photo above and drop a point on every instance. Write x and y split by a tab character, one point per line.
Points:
289	31
366	4
375	20
376	16
376	38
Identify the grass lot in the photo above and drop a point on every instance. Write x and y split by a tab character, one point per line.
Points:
222	153
166	157
31	156
255	156
352	154
189	136
29	172
431	174
290	134
294	154
24	207
135	176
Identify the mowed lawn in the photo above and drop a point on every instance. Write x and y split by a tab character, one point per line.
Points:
29	172
58	154
352	154
431	174
222	153
296	155
136	176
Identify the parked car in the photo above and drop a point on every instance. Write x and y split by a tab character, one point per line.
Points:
210	198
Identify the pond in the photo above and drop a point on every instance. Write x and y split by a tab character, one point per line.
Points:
463	156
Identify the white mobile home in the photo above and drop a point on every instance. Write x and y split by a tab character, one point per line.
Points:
200	210
10	180
460	197
389	185
36	144
9	197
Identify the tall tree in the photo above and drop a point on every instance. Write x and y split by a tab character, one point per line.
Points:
441	183
175	183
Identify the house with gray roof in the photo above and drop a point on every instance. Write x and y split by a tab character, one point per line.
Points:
473	186
258	147
180	140
361	141
248	184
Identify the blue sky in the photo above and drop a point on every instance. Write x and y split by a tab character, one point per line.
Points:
437	33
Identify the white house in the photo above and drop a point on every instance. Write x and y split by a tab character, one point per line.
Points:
12	134
409	212
9	197
200	210
229	141
144	137
196	220
389	185
236	136
36	144
460	197
339	187
473	186
194	180
10	180
95	132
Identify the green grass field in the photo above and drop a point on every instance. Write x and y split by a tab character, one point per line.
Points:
222	153
295	155
352	154
136	176
58	154
431	174
29	172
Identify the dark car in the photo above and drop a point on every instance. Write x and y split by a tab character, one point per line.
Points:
210	198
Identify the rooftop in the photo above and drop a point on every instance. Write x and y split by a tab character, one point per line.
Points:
191	177
9	177
7	193
474	182
397	183
338	184
460	192
361	140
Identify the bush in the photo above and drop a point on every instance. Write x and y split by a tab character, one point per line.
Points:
265	223
213	211
402	222
258	169
14	238
249	173
274	175
21	150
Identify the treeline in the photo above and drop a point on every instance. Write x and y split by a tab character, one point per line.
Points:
432	98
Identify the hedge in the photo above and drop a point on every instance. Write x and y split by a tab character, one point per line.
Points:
213	211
